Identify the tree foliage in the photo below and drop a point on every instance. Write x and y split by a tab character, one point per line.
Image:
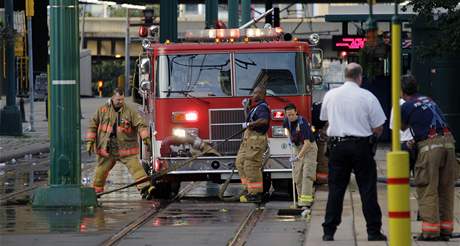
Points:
108	72
445	16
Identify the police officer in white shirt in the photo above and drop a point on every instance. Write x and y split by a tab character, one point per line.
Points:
355	117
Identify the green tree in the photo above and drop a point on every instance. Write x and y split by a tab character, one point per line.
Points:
444	16
108	72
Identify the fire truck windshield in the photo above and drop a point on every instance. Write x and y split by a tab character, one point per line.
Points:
209	75
280	73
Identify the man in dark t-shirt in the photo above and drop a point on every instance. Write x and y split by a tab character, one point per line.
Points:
436	167
305	150
249	159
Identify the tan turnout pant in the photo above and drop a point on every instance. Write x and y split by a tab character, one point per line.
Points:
104	165
305	174
435	172
249	160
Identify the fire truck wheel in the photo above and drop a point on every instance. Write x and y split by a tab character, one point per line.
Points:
283	186
166	190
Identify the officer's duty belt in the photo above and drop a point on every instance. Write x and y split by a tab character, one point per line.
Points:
347	139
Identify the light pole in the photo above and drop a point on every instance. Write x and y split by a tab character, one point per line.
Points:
127	56
64	185
10	120
30	13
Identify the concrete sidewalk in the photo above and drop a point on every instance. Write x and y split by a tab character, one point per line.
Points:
352	231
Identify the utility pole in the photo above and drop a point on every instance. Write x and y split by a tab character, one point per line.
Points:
29	14
168	23
127	56
211	13
64	185
245	11
11	122
398	161
232	13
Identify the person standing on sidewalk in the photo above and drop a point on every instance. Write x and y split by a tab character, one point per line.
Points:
113	132
305	150
407	141
435	169
355	118
249	159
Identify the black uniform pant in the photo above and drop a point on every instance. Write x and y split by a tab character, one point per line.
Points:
345	157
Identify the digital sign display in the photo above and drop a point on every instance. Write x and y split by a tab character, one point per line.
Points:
349	43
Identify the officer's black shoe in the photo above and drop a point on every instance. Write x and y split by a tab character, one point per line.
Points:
376	237
427	238
147	192
328	237
255	198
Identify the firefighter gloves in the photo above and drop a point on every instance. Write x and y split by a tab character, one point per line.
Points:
147	142
246	103
294	159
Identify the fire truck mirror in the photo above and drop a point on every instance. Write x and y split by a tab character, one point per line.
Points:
316	80
316	58
145	85
145	66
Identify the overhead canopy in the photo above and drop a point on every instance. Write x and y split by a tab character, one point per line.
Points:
141	2
363	18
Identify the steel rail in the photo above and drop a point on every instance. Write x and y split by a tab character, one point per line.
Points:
245	229
139	221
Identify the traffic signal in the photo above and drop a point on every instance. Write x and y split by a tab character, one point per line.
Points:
148	17
100	84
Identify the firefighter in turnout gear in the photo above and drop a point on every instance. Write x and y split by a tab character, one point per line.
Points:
435	168
249	159
305	149
113	132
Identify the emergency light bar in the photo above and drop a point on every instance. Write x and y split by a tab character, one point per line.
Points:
234	34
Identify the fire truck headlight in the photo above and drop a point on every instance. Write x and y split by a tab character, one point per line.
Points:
179	132
278	132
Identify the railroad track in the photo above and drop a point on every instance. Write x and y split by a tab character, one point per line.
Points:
142	219
245	229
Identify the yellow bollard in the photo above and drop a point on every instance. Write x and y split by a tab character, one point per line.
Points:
397	160
398	198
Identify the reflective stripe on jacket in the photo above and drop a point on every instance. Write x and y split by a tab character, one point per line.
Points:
130	125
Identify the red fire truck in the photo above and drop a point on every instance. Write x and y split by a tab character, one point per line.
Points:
196	89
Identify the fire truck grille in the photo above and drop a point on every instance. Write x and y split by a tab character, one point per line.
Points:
223	124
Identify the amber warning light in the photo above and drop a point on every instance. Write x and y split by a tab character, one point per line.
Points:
180	117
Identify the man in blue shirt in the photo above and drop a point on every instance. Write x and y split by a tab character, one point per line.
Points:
435	168
305	150
249	159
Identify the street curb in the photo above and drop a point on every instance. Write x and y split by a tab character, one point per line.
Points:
44	148
383	179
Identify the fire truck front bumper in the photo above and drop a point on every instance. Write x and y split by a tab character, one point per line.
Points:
277	166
